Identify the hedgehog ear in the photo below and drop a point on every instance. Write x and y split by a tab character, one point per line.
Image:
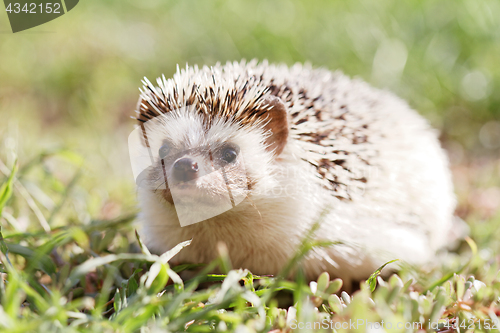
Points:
277	124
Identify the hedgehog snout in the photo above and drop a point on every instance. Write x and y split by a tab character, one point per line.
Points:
185	169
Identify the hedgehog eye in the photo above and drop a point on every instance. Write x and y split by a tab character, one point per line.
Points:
229	154
163	151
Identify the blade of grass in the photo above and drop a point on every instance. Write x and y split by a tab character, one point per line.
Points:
372	280
6	188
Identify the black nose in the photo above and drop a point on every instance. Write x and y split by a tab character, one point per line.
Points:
185	169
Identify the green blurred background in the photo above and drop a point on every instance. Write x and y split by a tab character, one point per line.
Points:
73	82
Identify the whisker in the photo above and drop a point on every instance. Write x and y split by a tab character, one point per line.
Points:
252	203
164	183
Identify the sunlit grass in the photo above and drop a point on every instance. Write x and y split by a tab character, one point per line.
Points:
99	277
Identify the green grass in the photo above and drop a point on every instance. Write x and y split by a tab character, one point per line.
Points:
99	277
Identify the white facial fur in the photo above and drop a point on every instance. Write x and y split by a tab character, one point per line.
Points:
188	136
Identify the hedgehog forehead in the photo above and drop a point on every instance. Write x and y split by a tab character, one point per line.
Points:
176	129
186	129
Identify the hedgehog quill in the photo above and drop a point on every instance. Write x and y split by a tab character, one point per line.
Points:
250	154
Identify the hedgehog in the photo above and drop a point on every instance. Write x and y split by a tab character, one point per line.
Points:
253	154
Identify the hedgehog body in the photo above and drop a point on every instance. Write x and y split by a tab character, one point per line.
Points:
290	144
